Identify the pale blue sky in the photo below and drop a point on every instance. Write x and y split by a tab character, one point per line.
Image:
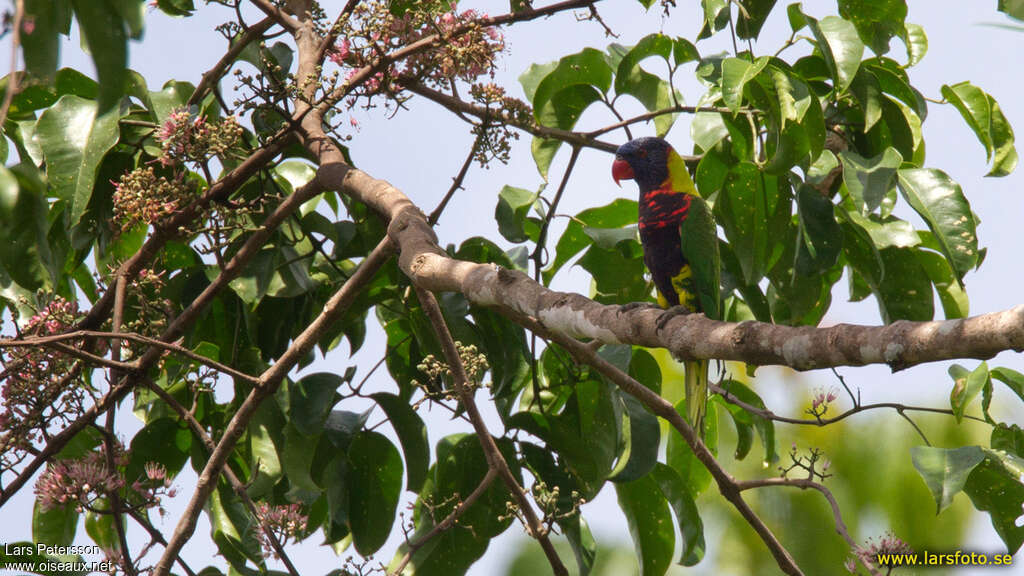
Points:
420	149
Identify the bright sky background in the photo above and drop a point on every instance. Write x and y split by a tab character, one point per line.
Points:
420	149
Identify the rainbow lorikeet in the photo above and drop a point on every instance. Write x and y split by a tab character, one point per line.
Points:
680	244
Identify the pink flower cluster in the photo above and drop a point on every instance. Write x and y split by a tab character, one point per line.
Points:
285	522
79	482
142	196
187	138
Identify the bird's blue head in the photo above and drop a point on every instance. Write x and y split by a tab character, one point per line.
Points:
644	160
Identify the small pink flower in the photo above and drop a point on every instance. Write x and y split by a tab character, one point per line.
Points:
28	25
353	122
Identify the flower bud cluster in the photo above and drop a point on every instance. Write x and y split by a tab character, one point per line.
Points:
142	196
40	387
467	50
187	138
79	482
285	522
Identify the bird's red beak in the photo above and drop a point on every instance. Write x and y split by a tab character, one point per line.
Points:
621	170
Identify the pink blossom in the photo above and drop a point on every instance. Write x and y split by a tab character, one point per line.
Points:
28	25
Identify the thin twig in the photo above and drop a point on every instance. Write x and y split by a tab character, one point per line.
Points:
447	522
211	77
109	439
491	452
727	485
456	185
803	484
270	380
12	78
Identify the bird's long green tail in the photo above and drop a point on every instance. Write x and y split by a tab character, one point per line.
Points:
696	392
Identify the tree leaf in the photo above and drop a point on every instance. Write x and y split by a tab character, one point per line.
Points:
917	43
510	213
24	248
995	487
56	526
692	527
752	16
619	213
820	234
939	200
412	434
877	21
310	401
741	211
736	72
650	524
966	387
104	31
1014	380
41	48
764	426
945	471
840	46
74	137
869	179
641	439
951	294
375	483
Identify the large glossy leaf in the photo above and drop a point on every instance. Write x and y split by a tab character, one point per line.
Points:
310	400
869	179
741	211
945	470
24	249
821	239
894	275
840	46
939	200
986	119
233	529
736	72
877	21
412	434
650	524
620	212
764	426
375	483
751	17
41	48
681	458
104	32
56	526
513	206
74	136
995	486
690	524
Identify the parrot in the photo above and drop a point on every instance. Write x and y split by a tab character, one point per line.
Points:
680	246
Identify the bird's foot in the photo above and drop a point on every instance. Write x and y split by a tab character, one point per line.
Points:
669	314
637	306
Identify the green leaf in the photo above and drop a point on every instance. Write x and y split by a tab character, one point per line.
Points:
619	213
764	426
24	248
877	21
375	483
716	17
885	232
233	529
104	31
176	7
939	200
945	471
41	48
985	118
266	440
840	46
821	239
895	276
680	457
310	401
869	179
741	211
751	17
651	90
412	434
650	524
562	95
966	387
679	498
100	527
641	436
736	72
917	43
1012	8
56	526
995	487
1014	380
951	294
577	532
510	213
74	137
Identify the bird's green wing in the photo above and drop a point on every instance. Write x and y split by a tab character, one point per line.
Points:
699	242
